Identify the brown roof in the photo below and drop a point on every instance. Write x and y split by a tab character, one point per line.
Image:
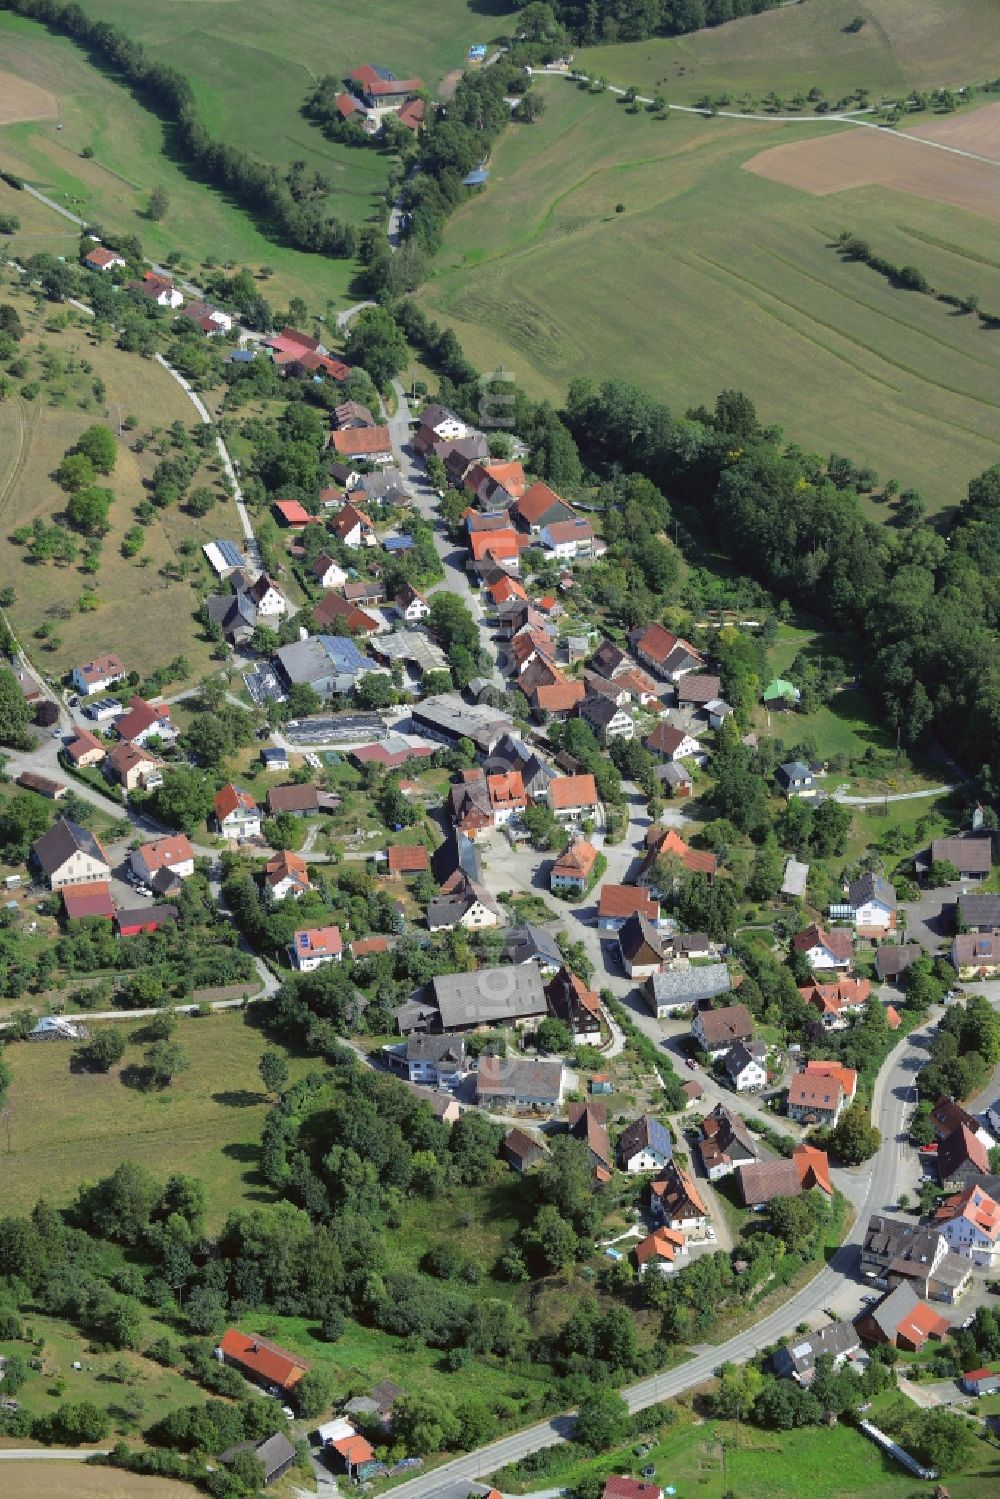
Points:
92	899
286	863
588	1122
293	798
570	530
408	858
232	799
731	1023
268	1360
84	743
626	900
675	1188
572	791
766	1179
838	941
809	1090
698	688
331	606
358	442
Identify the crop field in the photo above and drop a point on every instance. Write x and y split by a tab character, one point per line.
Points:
613	244
78	1481
148	615
903	44
69	1126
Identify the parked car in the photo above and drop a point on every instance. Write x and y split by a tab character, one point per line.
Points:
692	1064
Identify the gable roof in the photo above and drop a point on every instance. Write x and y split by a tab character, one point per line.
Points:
408	858
837	941
645	1133
676	1191
638	939
231	798
489	995
271	1362
870	886
621	901
286	865
689	985
93	899
349	516
164	853
572	791
589	1122
576	861
961	1148
359	442
63	839
537	501
724	1026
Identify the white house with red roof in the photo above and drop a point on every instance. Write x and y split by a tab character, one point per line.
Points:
235	813
970	1223
159	289
101	258
173	854
144	722
568	539
97	675
315	946
353	527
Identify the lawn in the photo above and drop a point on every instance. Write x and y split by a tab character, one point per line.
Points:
721	277
68	1126
147	617
902	45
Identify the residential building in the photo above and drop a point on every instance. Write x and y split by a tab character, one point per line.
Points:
835	1340
432	1059
745	1064
102	259
660	1249
892	959
641	949
539	507
589	1122
970	1223
532	944
716	1030
618	903
491	996
976	954
173	854
725	1143
159	289
608	721
131	767
68	854
568	539
286	874
469	806
469	906
262	1361
573	797
235	614
838	1003
235	814
98	675
947	1115
550	690
507	796
644	1145
815	1098
672	744
961	1158
440	422
696	690
795	778
900	1320
315	946
411	605
675	1201
675	778
577	1006
353	527
665	653
502	1082
211	320
327	572
85	748
873	903
571	871
380	91
823	948
663	845
981	1382
265	595
144	722
334	606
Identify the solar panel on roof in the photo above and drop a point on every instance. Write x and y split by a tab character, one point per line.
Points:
230	553
303	939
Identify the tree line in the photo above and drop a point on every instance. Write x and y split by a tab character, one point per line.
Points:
277	198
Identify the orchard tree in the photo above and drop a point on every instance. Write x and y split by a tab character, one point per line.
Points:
273	1071
158	204
165	1059
99	445
104	1050
87	510
15	715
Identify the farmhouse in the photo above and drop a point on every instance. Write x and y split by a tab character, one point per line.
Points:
641	949
618	902
682	988
808	1168
70	855
369	444
469	906
532	944
579	1007
490	996
573	797
527	1084
80	901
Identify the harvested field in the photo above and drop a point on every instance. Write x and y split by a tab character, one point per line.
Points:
858	157
62	1480
21	100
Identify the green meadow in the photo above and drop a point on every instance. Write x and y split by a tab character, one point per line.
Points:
615	244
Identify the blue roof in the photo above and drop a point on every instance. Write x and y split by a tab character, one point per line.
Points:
476	178
242	356
659	1138
273	754
398	543
343	653
230	553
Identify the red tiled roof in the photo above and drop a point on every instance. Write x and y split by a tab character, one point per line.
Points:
102	257
232	799
347	105
505	588
577	861
358	442
345	520
572	791
837	941
408	858
84	743
501	544
292	512
535	501
332	606
813	1168
570	530
319	941
368	947
93	899
164	853
271	1362
625	900
354	1450
846	1076
661	1244
412	114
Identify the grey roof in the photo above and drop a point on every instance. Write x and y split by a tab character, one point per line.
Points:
448	910
887	1238
979	910
599	710
230	553
447	714
457	853
740	1056
436	1049
836	1338
490	996
674	773
523	944
319	657
412	645
645	1133
231	610
870	886
891	1310
519	1077
969	852
795	877
63	839
794	770
689	985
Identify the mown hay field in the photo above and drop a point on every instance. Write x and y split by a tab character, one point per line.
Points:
614	244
